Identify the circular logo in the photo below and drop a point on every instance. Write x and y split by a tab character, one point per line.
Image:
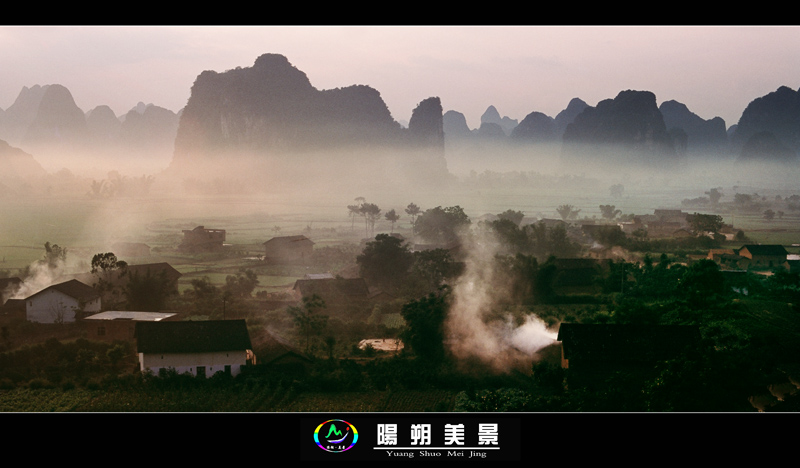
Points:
335	435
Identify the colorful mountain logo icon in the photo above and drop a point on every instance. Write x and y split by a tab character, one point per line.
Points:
335	435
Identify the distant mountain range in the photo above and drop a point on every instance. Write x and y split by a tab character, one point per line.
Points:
45	121
271	108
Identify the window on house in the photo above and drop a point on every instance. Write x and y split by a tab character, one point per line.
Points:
228	370
201	371
101	331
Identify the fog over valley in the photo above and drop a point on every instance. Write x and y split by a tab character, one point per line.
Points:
486	217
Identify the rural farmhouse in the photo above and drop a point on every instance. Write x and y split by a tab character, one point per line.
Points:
288	249
62	303
201	348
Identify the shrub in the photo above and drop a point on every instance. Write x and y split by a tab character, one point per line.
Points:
38	383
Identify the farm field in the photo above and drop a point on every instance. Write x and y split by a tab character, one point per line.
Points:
267	398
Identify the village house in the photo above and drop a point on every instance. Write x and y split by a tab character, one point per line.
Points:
200	348
766	255
671	216
120	324
727	259
201	239
62	303
153	269
629	227
280	356
313	276
288	249
792	266
117	280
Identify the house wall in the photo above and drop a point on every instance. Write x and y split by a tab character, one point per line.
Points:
110	330
53	306
766	260
188	362
296	251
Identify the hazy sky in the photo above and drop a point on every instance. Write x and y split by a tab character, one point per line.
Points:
715	71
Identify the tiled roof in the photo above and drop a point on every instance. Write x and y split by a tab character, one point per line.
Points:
192	336
765	249
73	288
287	240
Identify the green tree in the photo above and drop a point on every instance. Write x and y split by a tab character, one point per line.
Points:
442	225
714	195
609	211
559	243
769	215
203	298
242	284
371	213
431	268
413	211
530	282
105	266
512	238
392	217
148	292
307	320
513	216
702	282
567	212
424	332
353	211
54	255
705	223
385	261
105	263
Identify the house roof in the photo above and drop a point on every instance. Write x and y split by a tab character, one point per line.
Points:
765	249
286	240
154	269
721	252
315	276
192	336
72	288
275	347
131	315
625	342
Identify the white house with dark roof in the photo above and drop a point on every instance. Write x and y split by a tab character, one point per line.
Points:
62	302
200	348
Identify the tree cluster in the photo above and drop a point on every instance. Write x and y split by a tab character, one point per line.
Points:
536	239
442	225
387	263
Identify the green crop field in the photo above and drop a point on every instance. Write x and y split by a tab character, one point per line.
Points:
267	398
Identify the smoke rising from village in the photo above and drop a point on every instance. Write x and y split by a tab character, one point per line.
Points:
40	275
476	325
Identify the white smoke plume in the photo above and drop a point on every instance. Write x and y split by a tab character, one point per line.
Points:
40	275
477	327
